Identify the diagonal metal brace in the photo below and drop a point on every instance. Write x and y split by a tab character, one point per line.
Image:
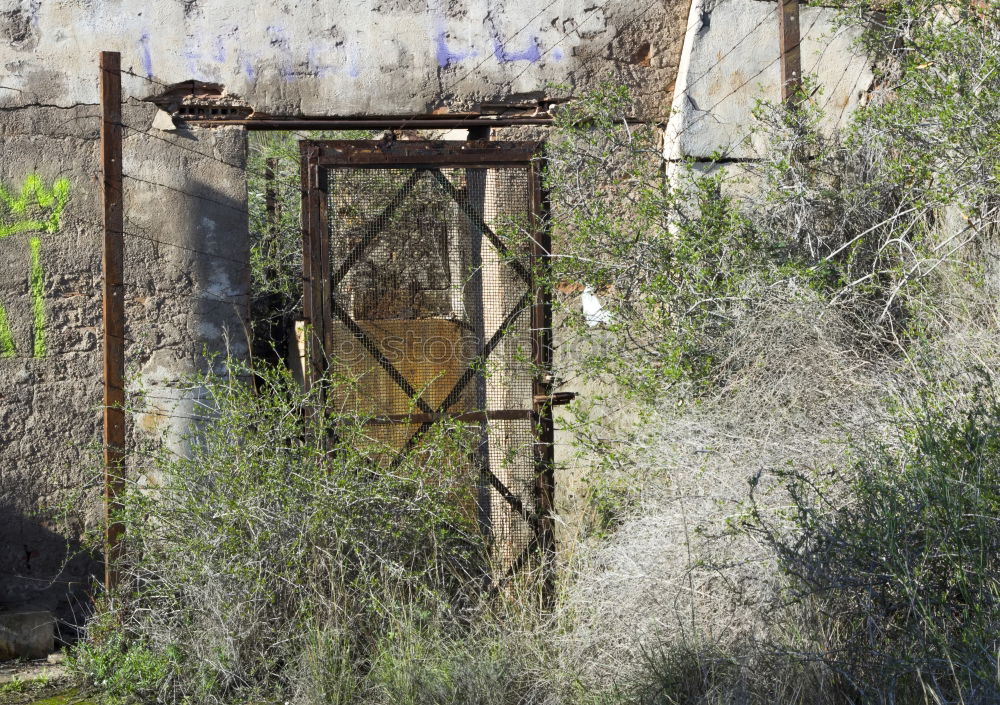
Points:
369	345
380	221
484	352
476	220
512	499
495	482
453	396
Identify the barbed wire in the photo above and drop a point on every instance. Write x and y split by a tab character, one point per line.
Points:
576	30
707	112
236	166
131	233
707	72
565	35
854	86
582	65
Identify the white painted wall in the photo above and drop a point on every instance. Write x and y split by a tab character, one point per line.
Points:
348	57
730	60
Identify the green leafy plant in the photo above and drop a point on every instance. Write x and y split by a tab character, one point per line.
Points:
125	669
279	540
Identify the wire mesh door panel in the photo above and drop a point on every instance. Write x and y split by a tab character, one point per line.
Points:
421	277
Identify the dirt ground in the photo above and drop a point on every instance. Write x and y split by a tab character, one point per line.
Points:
39	682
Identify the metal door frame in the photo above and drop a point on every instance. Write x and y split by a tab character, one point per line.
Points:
318	305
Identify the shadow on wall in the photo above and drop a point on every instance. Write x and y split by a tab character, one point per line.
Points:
187	274
187	251
222	274
45	571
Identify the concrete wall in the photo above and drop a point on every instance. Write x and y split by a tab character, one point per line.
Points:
730	60
186	196
49	382
351	57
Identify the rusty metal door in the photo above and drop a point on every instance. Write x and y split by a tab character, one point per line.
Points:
424	271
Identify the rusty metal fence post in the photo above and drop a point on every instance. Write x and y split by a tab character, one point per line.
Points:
113	310
542	348
791	52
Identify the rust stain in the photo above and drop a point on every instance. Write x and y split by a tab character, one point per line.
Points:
642	56
151	421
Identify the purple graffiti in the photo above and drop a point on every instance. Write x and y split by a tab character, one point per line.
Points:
246	62
314	64
532	53
557	54
191	58
144	54
278	37
280	41
353	68
446	55
218	50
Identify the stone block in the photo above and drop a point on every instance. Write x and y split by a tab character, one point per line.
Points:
26	634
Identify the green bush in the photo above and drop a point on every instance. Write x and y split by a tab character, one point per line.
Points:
125	670
670	260
271	559
423	661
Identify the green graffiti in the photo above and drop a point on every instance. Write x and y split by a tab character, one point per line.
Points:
37	297
6	336
35	209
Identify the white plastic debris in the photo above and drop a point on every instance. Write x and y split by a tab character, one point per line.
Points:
593	312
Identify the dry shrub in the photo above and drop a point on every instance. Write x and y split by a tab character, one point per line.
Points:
272	559
674	575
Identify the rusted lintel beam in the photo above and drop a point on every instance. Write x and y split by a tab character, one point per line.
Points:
371	124
425	153
113	310
388	123
470	416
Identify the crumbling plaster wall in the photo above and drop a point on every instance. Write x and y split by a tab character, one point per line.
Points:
186	202
351	57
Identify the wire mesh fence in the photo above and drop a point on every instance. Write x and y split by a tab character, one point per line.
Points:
431	286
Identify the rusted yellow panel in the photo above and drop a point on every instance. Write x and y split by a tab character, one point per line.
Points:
430	354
